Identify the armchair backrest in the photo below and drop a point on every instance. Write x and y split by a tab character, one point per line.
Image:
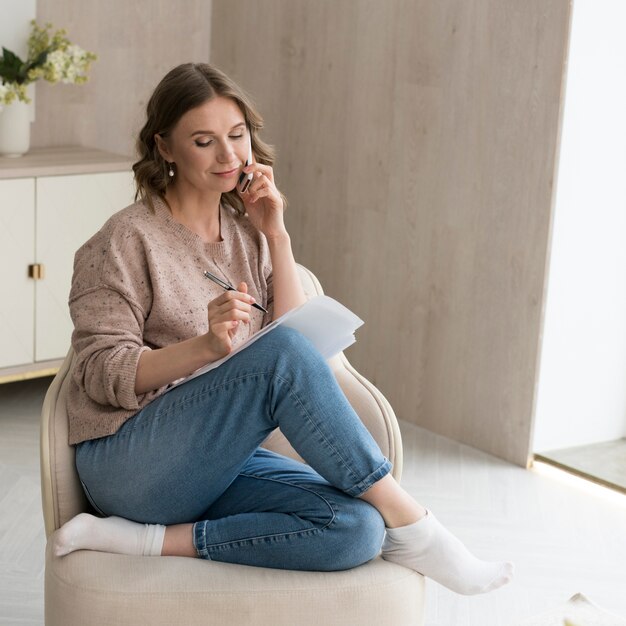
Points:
61	492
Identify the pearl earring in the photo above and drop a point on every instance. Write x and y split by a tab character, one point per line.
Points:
171	172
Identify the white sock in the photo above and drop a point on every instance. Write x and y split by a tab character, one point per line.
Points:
109	534
428	548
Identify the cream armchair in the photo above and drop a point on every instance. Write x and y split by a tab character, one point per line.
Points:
88	588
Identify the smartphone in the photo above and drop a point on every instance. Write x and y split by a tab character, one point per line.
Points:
245	179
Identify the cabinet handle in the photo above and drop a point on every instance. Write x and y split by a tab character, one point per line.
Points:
36	271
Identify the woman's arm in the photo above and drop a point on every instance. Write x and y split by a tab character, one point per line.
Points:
265	208
160	367
115	367
288	292
157	368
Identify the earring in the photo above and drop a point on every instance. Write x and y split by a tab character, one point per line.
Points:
171	172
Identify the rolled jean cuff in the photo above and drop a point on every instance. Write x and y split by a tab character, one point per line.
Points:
361	487
199	540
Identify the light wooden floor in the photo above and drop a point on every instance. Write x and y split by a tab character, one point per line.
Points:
564	538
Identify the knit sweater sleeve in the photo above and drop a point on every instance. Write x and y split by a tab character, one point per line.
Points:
109	301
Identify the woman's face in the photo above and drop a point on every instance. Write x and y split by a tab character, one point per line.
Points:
209	145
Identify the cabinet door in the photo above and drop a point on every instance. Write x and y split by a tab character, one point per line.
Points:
17	291
70	209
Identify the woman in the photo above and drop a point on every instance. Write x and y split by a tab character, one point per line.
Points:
182	473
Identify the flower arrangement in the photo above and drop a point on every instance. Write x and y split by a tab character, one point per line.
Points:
51	56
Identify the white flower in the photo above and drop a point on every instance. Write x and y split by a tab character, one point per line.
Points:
3	91
68	65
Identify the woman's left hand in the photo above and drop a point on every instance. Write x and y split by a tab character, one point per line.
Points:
263	201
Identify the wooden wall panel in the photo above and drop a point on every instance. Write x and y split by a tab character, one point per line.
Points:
417	143
137	43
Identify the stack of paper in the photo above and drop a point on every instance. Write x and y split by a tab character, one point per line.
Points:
329	326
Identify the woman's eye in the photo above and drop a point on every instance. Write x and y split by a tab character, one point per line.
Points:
200	144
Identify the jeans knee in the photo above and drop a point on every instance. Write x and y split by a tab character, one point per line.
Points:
360	536
292	347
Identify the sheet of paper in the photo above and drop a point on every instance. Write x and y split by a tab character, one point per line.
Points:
328	324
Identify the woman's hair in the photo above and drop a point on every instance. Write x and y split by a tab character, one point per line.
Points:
184	88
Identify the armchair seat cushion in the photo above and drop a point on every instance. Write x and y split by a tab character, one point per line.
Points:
99	589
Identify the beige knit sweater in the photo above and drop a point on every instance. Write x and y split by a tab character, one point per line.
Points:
138	285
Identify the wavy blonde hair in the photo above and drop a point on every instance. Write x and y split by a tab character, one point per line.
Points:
183	88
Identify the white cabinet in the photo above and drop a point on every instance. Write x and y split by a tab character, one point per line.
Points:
44	219
17	291
69	210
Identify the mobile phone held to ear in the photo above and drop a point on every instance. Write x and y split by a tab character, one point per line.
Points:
245	179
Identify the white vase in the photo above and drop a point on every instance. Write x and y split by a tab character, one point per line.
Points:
14	129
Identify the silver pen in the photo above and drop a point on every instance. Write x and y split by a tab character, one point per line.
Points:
229	287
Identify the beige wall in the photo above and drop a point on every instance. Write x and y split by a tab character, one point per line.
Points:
417	144
137	43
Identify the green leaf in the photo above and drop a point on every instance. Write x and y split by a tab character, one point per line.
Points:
10	57
10	66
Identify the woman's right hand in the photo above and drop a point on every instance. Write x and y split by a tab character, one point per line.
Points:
225	314
163	366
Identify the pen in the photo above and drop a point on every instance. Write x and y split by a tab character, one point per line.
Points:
229	287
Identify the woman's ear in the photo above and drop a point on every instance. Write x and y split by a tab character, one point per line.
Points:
162	147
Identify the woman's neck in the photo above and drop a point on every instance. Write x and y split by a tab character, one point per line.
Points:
200	213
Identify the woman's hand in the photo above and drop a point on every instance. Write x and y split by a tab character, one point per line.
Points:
225	314
162	366
263	201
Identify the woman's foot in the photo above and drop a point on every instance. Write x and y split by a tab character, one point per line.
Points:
109	534
428	548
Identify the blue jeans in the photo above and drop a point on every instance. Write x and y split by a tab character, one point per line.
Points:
193	455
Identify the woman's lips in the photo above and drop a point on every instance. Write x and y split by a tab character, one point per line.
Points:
227	174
